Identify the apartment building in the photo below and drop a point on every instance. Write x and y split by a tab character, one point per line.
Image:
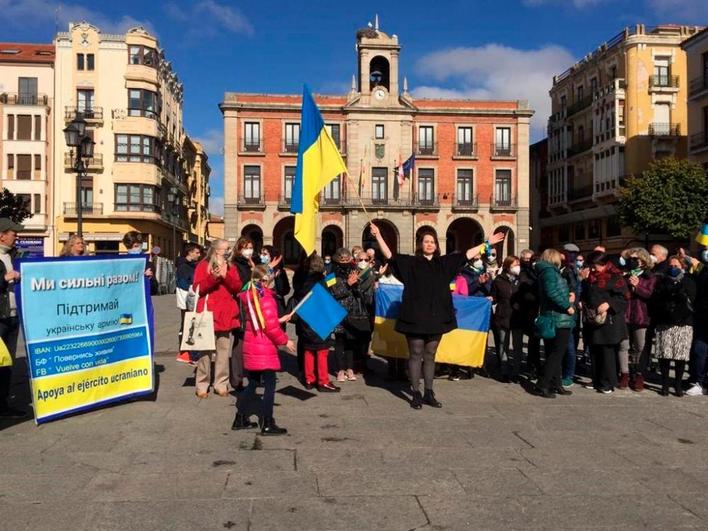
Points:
27	138
131	98
198	190
613	112
470	178
696	49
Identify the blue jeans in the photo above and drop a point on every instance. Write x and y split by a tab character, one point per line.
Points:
249	394
570	357
699	360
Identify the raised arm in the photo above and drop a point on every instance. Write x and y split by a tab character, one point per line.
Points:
479	249
376	233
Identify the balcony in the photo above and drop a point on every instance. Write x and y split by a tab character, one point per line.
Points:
331	202
698	142
426	202
466	151
579	193
662	129
502	203
580	105
580	147
427	150
9	98
664	82
284	201
697	86
252	146
250	202
466	203
290	148
91	115
94	163
94	209
378	202
503	151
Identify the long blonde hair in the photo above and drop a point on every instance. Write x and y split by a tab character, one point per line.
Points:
66	250
211	253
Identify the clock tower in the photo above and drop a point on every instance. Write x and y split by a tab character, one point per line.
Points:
377	55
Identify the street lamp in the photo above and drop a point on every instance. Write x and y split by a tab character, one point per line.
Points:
82	147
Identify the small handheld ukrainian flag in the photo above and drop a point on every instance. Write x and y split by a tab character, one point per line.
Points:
330	280
702	237
318	163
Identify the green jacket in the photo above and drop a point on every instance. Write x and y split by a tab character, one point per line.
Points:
554	295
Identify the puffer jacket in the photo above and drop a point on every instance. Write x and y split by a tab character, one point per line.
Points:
260	347
222	292
554	295
637	312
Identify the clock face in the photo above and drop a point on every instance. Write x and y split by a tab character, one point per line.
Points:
379	94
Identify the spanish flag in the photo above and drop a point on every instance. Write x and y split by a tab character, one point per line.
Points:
318	163
466	345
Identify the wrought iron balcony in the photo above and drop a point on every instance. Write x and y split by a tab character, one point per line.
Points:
465	203
10	98
580	105
502	203
92	209
251	202
664	129
427	150
381	202
666	81
92	113
331	202
503	150
290	147
95	162
467	149
253	146
698	85
284	201
426	201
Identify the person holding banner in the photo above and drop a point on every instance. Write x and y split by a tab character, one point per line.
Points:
426	308
217	283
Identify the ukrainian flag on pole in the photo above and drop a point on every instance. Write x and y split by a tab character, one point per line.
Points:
318	163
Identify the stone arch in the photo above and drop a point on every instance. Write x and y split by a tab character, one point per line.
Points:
255	232
462	233
508	246
284	240
332	239
390	234
379	73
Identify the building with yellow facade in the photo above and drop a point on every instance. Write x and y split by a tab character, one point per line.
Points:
127	91
198	171
613	112
696	49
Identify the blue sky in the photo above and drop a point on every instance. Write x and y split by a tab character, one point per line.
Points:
506	49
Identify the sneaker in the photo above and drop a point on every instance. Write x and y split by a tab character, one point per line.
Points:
695	390
607	391
567	382
454	376
184	357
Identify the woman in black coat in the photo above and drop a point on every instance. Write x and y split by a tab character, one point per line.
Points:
271	257
506	321
426	307
242	259
605	299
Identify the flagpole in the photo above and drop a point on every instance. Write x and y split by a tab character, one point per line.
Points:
303	301
358	195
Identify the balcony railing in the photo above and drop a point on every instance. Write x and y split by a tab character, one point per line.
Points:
93	209
580	105
503	150
253	146
426	150
95	162
9	98
375	201
580	147
250	201
93	113
698	141
426	201
465	202
666	81
466	150
662	129
578	193
284	201
290	147
698	85
331	202
502	203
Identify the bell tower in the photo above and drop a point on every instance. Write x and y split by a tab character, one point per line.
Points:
377	55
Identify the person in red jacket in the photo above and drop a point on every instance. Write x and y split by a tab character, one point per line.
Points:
217	283
262	337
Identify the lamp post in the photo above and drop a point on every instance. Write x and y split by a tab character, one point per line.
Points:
82	146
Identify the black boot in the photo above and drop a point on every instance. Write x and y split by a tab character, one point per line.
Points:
271	428
417	400
429	398
241	422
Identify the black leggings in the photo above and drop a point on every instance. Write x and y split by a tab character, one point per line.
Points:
421	350
268	379
665	367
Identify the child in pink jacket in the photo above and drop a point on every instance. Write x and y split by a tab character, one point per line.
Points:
262	337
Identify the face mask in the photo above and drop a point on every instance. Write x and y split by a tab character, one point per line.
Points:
363	264
515	270
674	272
622	261
265	259
633	263
478	264
579	264
653	259
328	261
704	255
247	253
135	250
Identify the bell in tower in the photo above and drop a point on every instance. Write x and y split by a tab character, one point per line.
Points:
378	61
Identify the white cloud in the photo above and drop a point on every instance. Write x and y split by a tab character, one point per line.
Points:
579	4
23	13
229	18
685	11
214	15
212	141
216	206
495	71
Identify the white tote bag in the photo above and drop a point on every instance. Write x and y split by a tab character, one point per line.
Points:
198	329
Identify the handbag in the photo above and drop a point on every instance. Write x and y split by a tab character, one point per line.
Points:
545	326
198	329
595	317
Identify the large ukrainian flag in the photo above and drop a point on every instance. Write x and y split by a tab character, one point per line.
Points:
466	345
318	163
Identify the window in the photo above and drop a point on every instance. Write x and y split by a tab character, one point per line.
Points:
580	231
464	141
24	127
426	186
426	141
289	179
292	137
27	90
379	131
10	166
37	127
90	61
379	185
614	228
38	166
137	148
142	55
564	233
502	145
134	198
593	85
580	93
252	136
37	203
594	228
332	191
661	72
252	184
334	132
464	187
143	102
24	167
80	61
613	72
84	102
502	188
26	200
87	193
10	126
563	102
704	58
